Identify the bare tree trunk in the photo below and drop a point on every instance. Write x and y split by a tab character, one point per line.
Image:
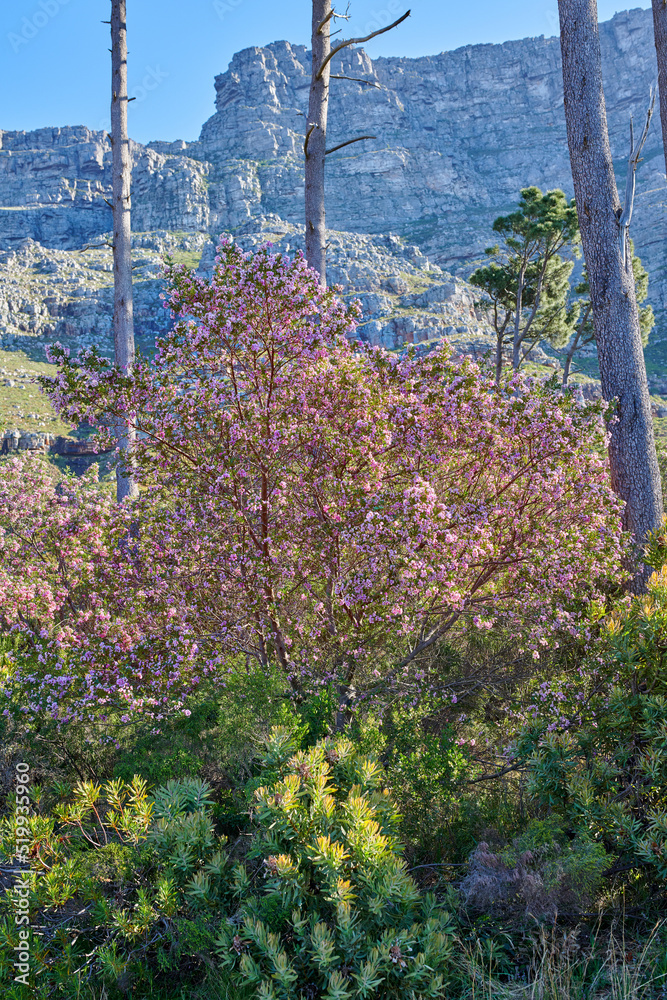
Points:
315	146
660	35
500	340
345	712
123	321
634	467
516	339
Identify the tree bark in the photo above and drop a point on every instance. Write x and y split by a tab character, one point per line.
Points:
634	467
316	139
123	320
500	341
660	36
516	339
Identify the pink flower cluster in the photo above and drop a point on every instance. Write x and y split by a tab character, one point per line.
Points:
321	507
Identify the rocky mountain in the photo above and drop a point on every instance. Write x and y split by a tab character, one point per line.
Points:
458	134
67	295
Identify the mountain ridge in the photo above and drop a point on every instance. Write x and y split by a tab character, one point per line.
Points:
459	133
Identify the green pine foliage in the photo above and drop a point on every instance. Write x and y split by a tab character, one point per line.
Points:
527	279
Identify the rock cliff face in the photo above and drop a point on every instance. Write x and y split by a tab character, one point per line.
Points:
48	294
457	135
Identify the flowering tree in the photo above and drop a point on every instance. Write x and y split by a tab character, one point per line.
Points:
63	565
325	508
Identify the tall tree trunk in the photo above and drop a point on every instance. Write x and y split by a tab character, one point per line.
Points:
660	35
316	139
500	341
634	467
123	320
315	144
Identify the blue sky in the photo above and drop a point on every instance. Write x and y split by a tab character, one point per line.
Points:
54	60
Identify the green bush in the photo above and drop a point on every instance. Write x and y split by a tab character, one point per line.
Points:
607	777
126	887
138	889
338	915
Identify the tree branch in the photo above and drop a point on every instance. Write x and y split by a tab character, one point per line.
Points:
633	162
349	143
305	144
332	14
97	246
358	41
354	79
324	21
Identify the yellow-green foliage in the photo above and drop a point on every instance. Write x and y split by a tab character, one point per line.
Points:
338	914
121	880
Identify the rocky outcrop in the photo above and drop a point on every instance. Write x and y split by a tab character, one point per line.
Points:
15	440
55	185
458	134
67	295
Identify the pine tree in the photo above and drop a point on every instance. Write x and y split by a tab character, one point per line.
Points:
528	279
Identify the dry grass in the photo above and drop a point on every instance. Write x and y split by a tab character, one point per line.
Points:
559	971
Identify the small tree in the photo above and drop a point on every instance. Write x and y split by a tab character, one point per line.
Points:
527	280
585	334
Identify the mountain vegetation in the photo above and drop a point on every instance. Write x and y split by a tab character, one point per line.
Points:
343	676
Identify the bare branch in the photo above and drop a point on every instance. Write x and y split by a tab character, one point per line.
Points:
96	246
359	41
349	143
354	79
308	135
324	21
633	162
332	14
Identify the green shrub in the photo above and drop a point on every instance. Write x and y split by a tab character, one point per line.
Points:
138	889
125	886
430	770
607	776
338	915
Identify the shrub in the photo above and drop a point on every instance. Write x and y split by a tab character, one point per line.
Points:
339	916
322	508
134	887
124	886
606	775
541	874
